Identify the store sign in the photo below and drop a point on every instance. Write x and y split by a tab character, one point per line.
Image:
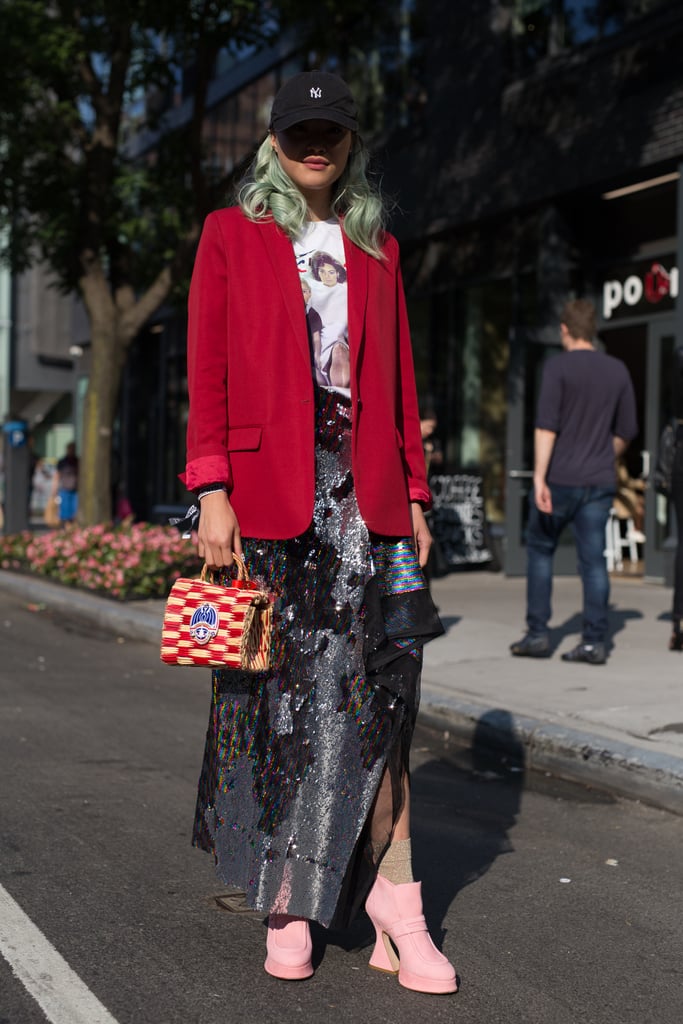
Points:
652	284
459	519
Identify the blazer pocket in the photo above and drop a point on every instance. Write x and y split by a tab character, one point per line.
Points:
244	439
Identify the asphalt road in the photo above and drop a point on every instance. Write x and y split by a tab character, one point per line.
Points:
558	905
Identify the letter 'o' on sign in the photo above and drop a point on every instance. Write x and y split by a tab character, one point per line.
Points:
633	290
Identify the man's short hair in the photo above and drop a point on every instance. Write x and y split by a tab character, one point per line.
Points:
580	319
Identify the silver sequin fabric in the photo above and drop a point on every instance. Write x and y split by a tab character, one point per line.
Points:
294	757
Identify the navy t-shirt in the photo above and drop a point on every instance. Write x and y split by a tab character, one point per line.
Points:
586	399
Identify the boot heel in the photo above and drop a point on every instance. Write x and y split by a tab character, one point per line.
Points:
397	917
383	955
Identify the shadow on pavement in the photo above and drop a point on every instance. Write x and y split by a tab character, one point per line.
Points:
449	621
618	619
461	817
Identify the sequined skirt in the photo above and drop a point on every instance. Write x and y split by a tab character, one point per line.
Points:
295	757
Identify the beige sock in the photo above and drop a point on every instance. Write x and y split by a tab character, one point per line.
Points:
396	864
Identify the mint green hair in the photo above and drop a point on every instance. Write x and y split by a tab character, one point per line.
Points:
267	191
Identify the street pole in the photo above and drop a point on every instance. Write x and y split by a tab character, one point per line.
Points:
16	463
678	340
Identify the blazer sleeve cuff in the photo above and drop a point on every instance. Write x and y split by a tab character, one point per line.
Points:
422	495
206	469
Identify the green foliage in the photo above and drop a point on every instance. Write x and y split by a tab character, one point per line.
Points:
81	84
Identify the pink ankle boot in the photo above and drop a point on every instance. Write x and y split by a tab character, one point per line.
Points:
396	913
288	947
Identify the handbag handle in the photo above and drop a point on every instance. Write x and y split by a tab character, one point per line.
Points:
242	573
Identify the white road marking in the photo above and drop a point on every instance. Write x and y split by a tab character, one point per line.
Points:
60	993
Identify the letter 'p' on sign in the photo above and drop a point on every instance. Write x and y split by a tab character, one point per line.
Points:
612	295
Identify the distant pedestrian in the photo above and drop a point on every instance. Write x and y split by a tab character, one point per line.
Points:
430	442
676	639
585	419
433	453
66	484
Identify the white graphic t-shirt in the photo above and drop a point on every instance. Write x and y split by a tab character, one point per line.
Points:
319	252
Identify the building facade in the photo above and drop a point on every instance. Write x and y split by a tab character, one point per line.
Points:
43	371
534	148
544	164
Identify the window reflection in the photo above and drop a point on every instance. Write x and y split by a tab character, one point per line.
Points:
541	28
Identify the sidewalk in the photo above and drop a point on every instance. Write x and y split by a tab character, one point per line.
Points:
617	726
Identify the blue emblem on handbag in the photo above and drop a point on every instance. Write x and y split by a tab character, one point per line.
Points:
204	623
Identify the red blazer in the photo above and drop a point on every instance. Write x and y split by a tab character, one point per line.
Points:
251	421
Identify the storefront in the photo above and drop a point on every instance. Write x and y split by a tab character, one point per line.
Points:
636	298
484	311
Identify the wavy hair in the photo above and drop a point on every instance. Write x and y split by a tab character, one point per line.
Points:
268	192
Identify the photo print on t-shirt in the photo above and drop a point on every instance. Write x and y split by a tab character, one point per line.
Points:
319	255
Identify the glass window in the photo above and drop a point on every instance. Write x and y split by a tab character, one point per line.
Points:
387	73
461	347
231	127
531	25
541	28
583	20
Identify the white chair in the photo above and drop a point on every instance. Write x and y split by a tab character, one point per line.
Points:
615	542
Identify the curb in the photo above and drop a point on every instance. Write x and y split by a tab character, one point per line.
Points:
584	757
587	758
135	621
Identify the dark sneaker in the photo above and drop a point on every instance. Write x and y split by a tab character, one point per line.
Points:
531	647
676	641
592	654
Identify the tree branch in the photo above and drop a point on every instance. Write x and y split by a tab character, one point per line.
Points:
136	315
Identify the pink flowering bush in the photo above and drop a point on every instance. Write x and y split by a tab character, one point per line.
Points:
13	550
125	560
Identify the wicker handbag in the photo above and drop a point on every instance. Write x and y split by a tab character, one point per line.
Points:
218	626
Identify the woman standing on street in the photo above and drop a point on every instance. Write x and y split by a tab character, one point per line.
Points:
304	794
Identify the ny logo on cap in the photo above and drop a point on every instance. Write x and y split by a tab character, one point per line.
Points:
316	93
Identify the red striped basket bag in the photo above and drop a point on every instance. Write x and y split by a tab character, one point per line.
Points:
218	626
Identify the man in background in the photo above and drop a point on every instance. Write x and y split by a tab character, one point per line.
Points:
585	419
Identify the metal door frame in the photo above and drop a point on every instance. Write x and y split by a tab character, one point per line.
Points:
658	559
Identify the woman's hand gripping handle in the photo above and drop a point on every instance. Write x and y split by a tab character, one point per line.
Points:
219	534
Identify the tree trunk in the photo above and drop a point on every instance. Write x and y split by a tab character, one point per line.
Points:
108	349
114	322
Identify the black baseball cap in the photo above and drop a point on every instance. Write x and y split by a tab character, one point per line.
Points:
313	94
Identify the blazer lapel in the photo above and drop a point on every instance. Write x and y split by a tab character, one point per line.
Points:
281	256
357	274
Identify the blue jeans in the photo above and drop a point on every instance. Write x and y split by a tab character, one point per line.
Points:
68	505
586	509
